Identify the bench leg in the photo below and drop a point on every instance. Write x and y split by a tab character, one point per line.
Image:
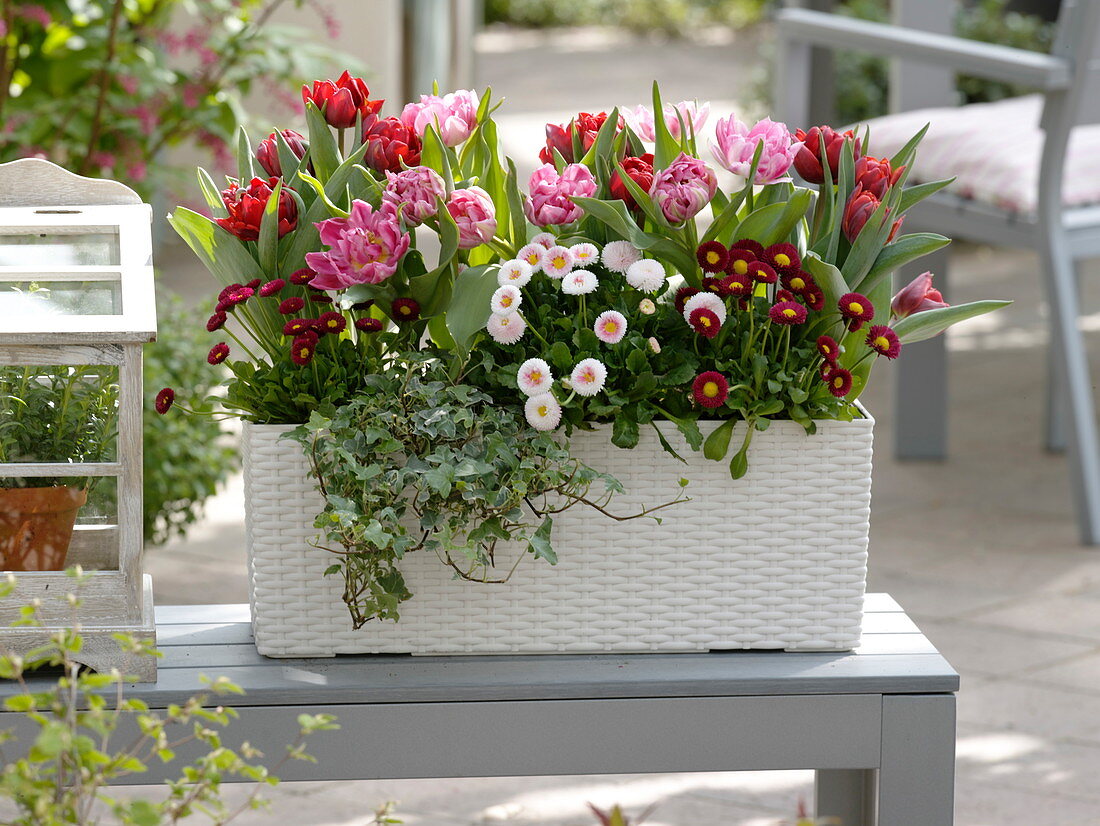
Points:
916	781
846	796
920	418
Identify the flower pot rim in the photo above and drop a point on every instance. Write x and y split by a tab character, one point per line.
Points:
43	499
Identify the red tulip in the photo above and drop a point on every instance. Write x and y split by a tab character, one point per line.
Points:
561	137
267	153
389	142
876	175
808	159
640	171
342	101
246	209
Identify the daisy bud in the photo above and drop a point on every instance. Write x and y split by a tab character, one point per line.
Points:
647	307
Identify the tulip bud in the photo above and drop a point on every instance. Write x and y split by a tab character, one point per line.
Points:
916	297
267	153
808	159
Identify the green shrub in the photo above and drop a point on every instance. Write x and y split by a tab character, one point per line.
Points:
186	457
672	17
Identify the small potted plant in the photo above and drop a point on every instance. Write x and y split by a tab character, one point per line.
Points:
50	414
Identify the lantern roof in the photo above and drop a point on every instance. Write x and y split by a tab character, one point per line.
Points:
75	259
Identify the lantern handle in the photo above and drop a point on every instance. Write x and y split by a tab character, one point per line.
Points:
39	183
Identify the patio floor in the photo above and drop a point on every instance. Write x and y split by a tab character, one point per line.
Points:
981	549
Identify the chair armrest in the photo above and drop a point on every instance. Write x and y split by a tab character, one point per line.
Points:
1038	71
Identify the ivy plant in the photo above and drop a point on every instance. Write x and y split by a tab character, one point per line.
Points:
421	462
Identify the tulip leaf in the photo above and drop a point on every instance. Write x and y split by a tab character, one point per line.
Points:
828	277
211	194
905	249
322	144
435	156
642	198
246	166
904	156
601	147
666	149
289	163
515	206
225	255
775	222
917	193
470	297
718	442
924	325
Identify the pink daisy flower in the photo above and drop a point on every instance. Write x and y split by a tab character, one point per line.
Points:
557	262
506	329
588	377
619	255
534	377
610	327
506	300
543	412
533	255
516	272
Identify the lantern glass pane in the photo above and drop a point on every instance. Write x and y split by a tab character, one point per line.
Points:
49	295
42	249
57	414
52	527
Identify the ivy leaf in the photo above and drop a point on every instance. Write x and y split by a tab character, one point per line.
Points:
539	543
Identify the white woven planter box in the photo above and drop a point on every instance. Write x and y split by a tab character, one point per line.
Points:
777	559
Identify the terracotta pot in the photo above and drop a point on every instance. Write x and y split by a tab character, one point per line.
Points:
36	525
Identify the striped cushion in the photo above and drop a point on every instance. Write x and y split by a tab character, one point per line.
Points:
992	149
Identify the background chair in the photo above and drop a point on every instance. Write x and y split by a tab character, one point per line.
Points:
1058	218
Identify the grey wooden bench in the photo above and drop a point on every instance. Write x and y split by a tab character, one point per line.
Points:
877	724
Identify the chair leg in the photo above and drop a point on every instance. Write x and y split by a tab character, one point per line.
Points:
1056	414
1072	373
920	392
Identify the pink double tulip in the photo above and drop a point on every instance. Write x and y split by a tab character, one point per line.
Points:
916	297
415	193
364	248
453	114
550	202
683	189
474	214
735	144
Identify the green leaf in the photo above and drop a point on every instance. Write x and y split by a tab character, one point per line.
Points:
739	464
772	224
469	309
718	442
917	193
225	255
666	149
539	543
624	432
267	245
211	194
246	164
921	326
904	156
905	249
322	144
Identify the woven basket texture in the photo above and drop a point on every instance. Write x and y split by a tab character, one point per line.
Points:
777	559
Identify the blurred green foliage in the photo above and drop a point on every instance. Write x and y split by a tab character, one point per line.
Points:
861	79
186	456
644	16
105	87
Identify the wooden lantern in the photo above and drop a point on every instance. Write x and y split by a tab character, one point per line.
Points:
76	290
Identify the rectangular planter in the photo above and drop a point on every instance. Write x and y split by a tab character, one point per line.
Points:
777	559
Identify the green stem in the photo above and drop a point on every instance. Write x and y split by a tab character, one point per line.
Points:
104	83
